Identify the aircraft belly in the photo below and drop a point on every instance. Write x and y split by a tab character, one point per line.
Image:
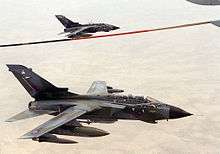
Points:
108	114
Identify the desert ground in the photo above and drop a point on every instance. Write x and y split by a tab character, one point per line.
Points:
180	67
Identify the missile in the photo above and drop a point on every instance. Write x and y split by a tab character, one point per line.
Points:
82	131
205	2
53	139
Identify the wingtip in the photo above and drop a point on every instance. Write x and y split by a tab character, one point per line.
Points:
26	137
216	23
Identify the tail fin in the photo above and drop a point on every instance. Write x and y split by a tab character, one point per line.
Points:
35	85
66	22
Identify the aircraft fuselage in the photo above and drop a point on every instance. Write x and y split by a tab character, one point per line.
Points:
137	108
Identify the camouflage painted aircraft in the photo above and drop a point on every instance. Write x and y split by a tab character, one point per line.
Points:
99	104
74	29
205	2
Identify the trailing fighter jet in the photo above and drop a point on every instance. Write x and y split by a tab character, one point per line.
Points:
74	29
100	104
205	2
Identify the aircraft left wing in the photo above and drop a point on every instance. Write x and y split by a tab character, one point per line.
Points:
64	117
98	88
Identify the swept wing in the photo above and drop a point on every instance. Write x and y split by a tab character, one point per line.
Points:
66	116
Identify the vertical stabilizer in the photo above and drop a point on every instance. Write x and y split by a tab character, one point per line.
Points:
35	85
66	22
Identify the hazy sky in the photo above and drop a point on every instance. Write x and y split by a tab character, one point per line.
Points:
179	67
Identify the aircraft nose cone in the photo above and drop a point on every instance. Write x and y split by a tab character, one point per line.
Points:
176	112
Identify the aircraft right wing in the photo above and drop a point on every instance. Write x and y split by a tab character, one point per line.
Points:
69	114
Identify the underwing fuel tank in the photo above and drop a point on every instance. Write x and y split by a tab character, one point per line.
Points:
205	2
82	131
53	139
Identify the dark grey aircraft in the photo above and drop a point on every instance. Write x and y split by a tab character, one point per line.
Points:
99	104
205	2
74	29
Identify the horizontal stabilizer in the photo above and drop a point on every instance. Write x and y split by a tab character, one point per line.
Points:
216	23
28	114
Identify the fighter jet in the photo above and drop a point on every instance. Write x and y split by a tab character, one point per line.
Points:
205	2
100	104
75	29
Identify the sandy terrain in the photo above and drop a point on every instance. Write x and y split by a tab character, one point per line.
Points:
180	67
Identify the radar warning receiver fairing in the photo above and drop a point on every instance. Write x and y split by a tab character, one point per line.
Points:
99	104
75	29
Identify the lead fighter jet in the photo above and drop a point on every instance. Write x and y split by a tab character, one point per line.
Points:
75	29
99	104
